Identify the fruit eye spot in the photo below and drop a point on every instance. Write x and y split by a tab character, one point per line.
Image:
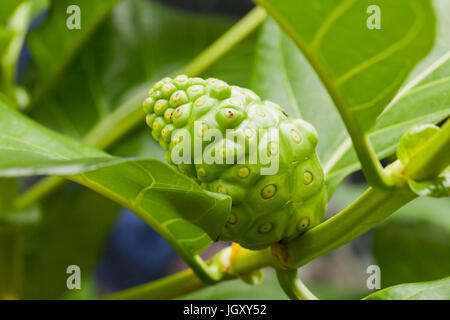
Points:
232	219
201	172
243	172
200	101
222	190
296	136
181	78
269	191
219	84
156	125
196	88
178	112
159	106
261	113
236	102
265	227
168	88
307	177
303	223
230	113
168	115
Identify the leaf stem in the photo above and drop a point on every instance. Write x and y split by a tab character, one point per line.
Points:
294	288
228	40
362	215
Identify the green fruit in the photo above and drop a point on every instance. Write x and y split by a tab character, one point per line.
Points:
236	128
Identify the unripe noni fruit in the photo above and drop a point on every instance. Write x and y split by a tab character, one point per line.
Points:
267	206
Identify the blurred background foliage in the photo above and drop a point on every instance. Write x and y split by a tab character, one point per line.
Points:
120	50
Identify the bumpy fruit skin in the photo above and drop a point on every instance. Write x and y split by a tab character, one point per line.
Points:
266	208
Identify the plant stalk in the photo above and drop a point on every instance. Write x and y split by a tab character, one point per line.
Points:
293	286
187	281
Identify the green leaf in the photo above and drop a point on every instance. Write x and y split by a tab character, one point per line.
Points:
172	204
14	22
432	290
361	68
282	74
138	44
413	245
54	46
75	225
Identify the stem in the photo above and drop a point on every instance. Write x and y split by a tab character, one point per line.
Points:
372	168
186	281
231	38
18	24
128	116
38	191
293	286
362	215
432	158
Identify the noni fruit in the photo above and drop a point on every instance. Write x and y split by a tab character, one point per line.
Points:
231	142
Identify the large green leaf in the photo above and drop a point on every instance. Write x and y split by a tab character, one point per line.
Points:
54	45
137	45
174	205
362	68
74	228
414	244
432	290
282	74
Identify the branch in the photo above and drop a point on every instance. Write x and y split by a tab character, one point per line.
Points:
244	261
